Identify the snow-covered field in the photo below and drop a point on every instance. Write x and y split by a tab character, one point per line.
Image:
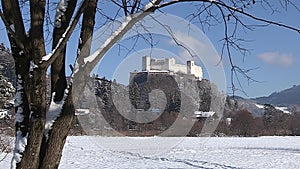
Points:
156	152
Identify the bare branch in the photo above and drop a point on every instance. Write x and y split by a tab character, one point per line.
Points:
257	18
125	7
134	6
230	8
170	32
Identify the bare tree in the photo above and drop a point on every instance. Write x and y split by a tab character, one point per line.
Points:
243	123
41	130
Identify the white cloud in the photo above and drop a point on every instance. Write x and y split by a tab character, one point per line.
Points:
199	46
190	43
277	59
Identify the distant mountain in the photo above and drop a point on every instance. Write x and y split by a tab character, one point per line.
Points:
288	97
287	101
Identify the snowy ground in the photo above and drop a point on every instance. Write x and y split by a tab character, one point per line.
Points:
104	152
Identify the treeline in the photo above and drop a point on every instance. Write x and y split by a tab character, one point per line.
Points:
273	122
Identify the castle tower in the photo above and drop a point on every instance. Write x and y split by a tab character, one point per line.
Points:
194	69
146	63
190	67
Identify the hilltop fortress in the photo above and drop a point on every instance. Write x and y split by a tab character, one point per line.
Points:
169	66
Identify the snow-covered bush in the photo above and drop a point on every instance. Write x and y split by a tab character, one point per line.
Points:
5	146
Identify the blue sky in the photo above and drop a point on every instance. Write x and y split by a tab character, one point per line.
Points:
274	51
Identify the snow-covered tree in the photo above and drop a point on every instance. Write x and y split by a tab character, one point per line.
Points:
41	131
7	91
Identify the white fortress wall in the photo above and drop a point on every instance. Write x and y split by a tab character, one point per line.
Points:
178	68
198	72
159	64
168	64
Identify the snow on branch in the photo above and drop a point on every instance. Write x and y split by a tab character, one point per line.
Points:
58	46
111	39
91	61
50	58
151	4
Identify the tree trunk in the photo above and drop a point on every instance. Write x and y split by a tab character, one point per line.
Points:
60	129
53	145
58	135
84	47
38	88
